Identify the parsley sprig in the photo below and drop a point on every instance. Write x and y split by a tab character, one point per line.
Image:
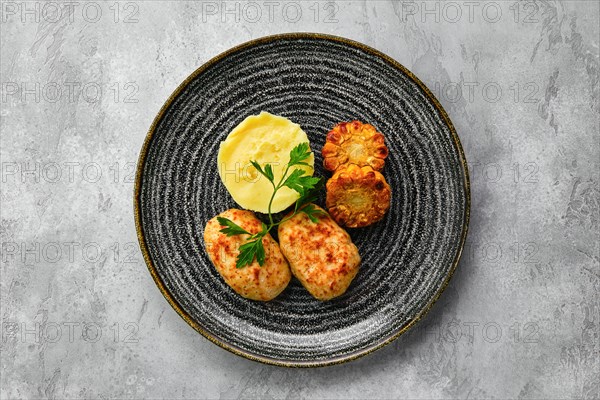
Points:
306	186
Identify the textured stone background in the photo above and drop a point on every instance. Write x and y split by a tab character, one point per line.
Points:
81	316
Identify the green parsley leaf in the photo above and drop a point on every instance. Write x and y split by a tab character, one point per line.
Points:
248	251
260	252
301	184
310	196
267	172
302	163
293	180
312	212
231	227
299	153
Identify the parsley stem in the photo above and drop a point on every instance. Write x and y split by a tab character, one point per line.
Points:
287	218
271	202
275	189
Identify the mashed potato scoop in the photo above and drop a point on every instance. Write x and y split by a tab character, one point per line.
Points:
265	138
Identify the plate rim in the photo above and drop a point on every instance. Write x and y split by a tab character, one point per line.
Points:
175	304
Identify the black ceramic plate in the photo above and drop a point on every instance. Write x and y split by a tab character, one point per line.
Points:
316	81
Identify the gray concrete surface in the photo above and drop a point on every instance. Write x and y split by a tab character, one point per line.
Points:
81	83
